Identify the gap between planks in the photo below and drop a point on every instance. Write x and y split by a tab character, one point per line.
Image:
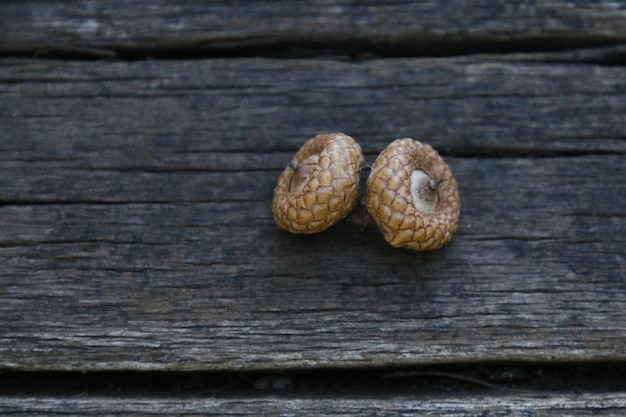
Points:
468	378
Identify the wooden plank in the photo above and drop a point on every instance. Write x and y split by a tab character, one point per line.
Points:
216	286
175	115
521	404
137	234
146	27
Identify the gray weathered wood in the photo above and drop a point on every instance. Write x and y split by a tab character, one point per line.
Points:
519	404
137	233
198	286
107	28
183	115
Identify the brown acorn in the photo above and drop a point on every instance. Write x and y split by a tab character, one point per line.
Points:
412	196
320	186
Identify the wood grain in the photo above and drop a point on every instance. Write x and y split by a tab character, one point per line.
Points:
397	27
184	115
140	143
217	286
137	233
597	404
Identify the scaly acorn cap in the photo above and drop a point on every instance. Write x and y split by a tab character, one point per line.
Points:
320	186
412	196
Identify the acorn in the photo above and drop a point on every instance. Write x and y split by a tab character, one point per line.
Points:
412	196
320	186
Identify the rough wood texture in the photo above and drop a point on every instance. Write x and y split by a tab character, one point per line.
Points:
526	405
231	115
94	27
137	231
135	224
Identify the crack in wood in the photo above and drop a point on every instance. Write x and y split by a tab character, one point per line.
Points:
330	382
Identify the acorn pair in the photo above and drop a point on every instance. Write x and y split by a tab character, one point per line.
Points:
411	193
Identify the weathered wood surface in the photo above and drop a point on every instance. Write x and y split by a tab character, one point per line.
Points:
143	27
185	115
580	404
135	224
137	233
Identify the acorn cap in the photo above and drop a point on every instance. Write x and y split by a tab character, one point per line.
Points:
412	196
320	185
